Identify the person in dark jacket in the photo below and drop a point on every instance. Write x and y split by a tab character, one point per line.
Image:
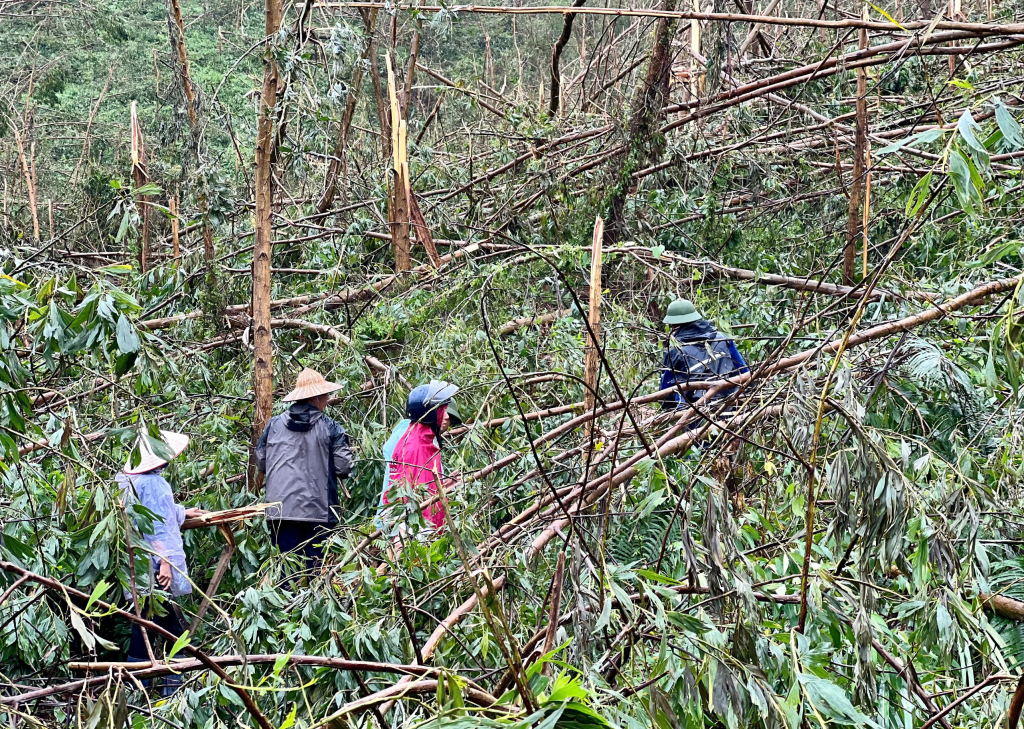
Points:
696	352
304	454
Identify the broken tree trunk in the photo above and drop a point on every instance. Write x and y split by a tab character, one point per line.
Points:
398	210
139	178
423	235
263	371
856	185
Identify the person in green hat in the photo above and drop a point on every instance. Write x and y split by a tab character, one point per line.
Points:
696	351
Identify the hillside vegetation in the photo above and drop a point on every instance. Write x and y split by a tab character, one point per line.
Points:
200	199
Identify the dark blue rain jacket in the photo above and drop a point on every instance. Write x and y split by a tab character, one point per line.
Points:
698	352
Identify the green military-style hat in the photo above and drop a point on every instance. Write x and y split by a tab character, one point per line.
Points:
681	311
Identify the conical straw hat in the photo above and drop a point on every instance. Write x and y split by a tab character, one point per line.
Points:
176	443
310	383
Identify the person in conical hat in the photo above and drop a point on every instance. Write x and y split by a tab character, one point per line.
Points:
304	455
142	482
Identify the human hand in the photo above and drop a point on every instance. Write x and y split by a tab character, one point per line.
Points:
163	577
195	511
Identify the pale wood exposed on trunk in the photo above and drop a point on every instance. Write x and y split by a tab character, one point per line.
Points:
263	370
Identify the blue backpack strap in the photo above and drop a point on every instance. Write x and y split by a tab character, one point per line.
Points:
741	364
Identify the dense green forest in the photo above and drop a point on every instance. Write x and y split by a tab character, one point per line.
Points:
201	199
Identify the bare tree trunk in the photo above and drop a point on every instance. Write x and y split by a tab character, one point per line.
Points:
334	170
29	168
554	611
172	205
556	57
263	372
645	143
592	365
856	185
383	108
139	178
398	210
178	39
410	73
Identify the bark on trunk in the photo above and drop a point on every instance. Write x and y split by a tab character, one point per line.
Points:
860	142
30	183
172	206
139	178
423	234
592	365
556	57
398	210
178	40
263	372
645	143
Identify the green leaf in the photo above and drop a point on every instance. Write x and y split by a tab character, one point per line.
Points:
79	625
123	228
180	643
455	693
943	621
551	719
124	362
1001	251
928	135
1013	135
960	173
832	702
918	195
965	126
127	338
280	663
17	548
148	189
1012	369
991	379
606	614
290	719
97	593
565	689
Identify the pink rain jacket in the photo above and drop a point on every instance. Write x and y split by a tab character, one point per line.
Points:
415	461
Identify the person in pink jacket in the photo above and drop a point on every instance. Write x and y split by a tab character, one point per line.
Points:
415	464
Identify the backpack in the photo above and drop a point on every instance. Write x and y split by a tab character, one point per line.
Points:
700	360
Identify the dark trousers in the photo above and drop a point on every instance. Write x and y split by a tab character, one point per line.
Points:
169	622
304	538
